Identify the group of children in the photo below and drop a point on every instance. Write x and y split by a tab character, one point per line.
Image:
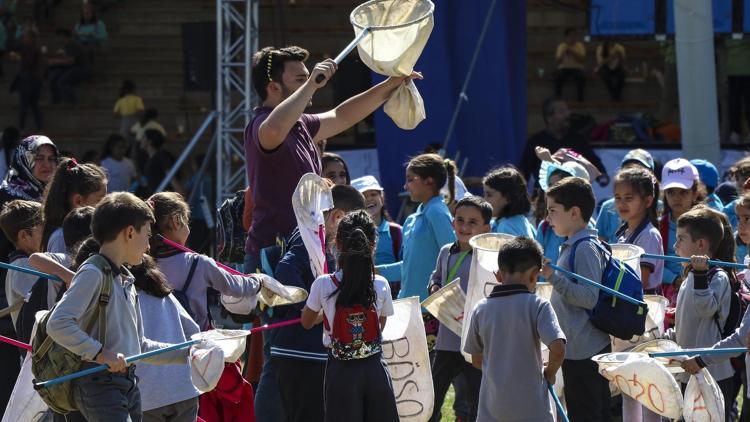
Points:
158	293
680	214
89	238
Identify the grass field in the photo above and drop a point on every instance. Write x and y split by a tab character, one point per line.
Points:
447	410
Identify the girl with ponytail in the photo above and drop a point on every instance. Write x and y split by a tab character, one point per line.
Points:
428	229
355	304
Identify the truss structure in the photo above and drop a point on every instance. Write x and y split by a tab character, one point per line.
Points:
236	42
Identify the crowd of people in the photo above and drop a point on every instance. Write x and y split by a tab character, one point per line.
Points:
126	285
69	64
610	64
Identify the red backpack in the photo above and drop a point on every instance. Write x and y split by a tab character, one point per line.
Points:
355	333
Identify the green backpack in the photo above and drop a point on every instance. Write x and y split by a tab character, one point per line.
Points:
50	360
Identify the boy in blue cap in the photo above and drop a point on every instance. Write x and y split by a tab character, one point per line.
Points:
710	178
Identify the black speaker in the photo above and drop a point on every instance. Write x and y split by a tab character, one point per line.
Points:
199	52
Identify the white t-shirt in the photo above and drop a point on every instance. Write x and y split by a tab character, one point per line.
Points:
56	242
119	174
322	287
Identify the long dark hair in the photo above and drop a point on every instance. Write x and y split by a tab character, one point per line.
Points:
69	178
644	184
357	236
149	279
510	182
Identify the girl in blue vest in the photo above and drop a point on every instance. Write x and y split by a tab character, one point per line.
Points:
505	190
425	231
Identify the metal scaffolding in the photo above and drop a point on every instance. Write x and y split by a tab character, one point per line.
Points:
236	42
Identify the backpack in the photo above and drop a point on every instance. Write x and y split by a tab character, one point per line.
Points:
50	360
230	234
612	315
37	302
355	332
736	310
181	295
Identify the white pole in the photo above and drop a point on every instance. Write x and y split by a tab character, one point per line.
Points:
696	76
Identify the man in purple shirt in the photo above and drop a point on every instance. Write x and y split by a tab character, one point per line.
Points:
280	146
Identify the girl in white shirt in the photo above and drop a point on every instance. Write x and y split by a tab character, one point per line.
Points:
354	303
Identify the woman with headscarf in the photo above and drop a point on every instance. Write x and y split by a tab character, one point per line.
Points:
31	166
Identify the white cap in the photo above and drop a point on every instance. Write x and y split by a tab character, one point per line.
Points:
678	173
577	169
365	183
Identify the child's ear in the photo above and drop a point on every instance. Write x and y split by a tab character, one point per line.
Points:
498	277
76	200
24	235
649	201
176	222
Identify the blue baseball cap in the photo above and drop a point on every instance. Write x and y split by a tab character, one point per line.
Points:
707	172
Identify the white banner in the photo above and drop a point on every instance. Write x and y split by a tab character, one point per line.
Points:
405	352
447	305
644	379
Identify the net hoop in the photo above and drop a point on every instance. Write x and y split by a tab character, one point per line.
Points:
353	21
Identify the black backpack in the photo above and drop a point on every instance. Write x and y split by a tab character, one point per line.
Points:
230	234
181	295
736	311
37	302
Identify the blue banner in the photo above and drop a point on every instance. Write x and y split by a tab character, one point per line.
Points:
632	17
491	127
722	16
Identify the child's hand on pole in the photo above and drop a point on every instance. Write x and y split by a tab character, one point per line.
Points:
699	263
546	271
691	366
115	362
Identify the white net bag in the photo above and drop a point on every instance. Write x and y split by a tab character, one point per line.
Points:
398	32
310	199
481	275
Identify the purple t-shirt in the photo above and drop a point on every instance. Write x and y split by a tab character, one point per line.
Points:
273	176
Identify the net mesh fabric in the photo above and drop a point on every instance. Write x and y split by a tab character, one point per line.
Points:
399	30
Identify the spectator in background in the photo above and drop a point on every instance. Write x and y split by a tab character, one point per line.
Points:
10	140
158	164
334	168
610	58
120	169
70	67
90	31
129	108
148	122
556	135
27	23
198	196
28	81
570	58
738	75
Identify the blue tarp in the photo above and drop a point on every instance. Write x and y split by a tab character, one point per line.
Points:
632	17
491	128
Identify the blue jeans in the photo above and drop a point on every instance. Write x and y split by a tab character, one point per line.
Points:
107	396
268	406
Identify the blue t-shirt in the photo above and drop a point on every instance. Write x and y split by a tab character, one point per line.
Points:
425	232
517	225
714	202
740	248
384	253
608	221
731	213
549	240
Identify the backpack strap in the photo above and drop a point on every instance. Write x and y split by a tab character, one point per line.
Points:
100	313
189	278
572	257
711	273
396	237
335	280
664	231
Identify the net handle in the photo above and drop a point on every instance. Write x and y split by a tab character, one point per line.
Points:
345	52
